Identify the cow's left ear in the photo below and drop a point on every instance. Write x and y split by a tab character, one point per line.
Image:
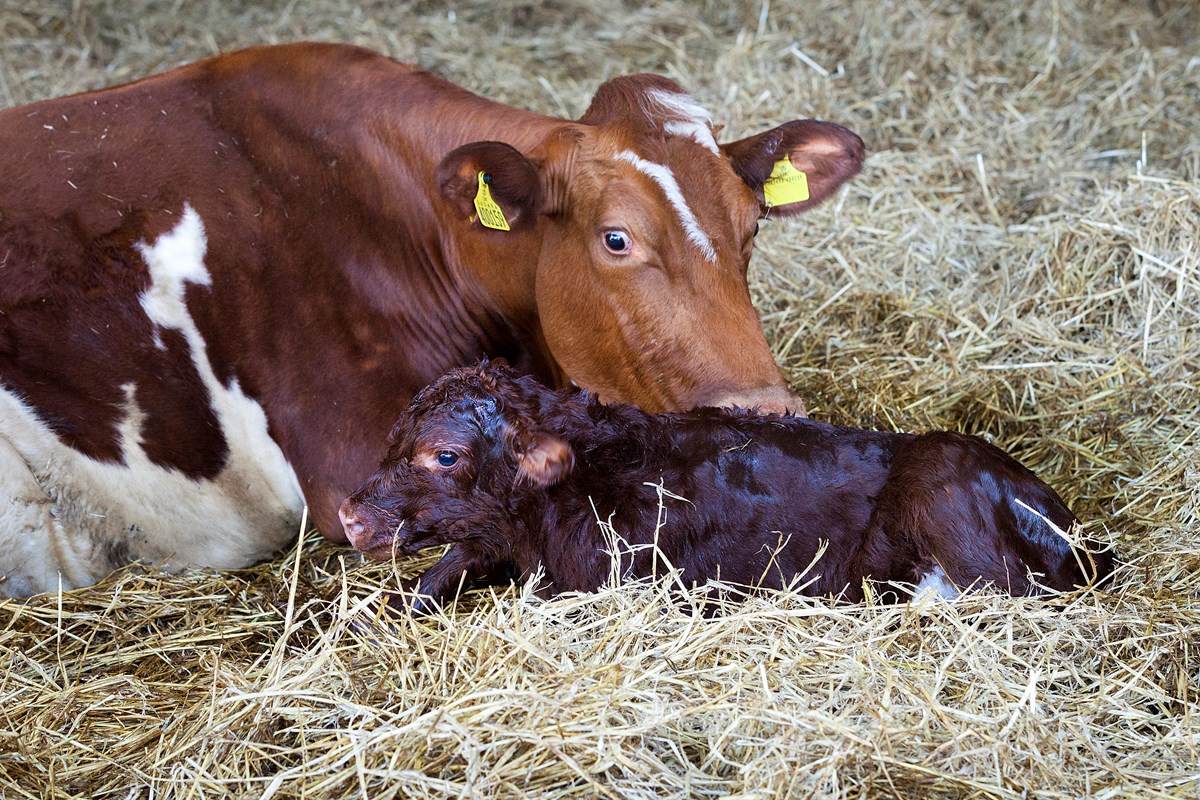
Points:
543	459
491	183
797	165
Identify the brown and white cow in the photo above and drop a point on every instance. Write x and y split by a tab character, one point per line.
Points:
220	284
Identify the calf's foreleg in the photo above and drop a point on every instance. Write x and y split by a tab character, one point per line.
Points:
460	569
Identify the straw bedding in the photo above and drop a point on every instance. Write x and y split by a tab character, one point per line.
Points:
1020	259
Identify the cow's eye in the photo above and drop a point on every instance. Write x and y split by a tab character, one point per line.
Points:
756	229
447	459
617	242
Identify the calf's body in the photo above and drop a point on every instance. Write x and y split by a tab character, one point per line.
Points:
515	476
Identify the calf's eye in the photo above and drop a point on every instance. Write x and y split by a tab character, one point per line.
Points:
617	242
447	459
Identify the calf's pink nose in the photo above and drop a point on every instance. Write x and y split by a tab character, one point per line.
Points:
350	524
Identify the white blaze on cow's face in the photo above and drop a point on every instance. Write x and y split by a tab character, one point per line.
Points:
666	181
73	518
642	286
684	118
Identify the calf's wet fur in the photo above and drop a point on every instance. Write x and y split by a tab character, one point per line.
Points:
514	476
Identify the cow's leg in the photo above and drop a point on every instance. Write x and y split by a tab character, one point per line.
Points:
37	554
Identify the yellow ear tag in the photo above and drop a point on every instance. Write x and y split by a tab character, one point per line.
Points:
786	184
490	213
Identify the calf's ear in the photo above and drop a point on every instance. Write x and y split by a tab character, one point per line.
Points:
797	165
490	183
544	460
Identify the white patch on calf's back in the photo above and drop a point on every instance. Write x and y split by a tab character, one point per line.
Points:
84	517
935	584
666	181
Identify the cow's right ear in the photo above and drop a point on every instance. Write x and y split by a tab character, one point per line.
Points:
543	460
491	183
796	165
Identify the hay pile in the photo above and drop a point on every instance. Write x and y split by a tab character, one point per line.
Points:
1020	259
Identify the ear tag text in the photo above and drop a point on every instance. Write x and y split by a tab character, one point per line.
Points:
490	213
786	185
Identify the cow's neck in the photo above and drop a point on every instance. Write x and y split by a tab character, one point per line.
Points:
406	300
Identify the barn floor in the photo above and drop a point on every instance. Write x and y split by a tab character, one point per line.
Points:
1020	259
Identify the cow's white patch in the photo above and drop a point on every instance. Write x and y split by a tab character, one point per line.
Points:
666	181
34	549
78	518
173	263
176	258
689	119
935	584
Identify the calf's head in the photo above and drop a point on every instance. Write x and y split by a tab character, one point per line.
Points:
641	227
460	460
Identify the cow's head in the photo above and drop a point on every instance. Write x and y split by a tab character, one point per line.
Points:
644	226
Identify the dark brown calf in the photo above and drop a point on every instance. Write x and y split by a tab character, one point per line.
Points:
515	475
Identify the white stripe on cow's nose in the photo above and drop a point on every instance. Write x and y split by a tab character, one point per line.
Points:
666	181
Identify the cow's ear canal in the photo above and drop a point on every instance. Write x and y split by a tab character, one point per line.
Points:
492	184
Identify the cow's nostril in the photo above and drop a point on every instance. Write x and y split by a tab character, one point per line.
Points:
351	525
